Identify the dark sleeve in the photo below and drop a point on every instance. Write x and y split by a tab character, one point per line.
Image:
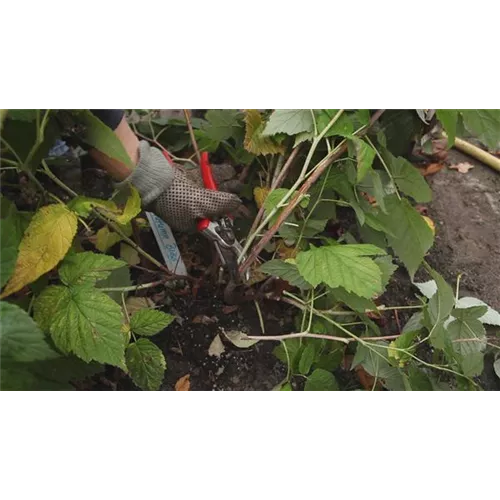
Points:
111	117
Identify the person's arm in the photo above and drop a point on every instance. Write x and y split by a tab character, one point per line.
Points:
163	186
115	120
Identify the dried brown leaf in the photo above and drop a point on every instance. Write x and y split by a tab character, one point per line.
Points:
204	320
463	168
183	384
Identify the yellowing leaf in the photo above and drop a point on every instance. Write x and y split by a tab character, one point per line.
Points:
255	142
260	195
132	207
106	239
44	244
129	254
430	223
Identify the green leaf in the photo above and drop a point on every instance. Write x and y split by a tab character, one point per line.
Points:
419	380
365	155
472	364
87	267
463	328
118	278
331	360
442	302
448	118
321	380
351	300
294	349
483	124
149	322
101	137
146	364
415	323
404	341
408	179
491	317
342	265
222	124
83	205
286	271
410	237
289	121
474	312
20	337
25	115
343	126
10	238
87	323
307	359
387	267
46	305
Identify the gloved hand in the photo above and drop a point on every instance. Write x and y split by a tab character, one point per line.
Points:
176	196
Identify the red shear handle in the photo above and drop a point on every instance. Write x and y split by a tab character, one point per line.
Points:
208	182
206	173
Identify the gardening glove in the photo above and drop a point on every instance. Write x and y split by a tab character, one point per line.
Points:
178	198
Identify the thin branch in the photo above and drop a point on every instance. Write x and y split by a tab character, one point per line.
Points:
191	133
317	336
275	185
133	288
288	209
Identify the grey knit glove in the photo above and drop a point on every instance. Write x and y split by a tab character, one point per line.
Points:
179	199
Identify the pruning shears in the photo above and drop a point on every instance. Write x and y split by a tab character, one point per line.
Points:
220	231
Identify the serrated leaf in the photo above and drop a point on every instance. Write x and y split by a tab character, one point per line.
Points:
149	322
474	312
83	205
415	323
307	359
472	364
344	125
44	244
342	265
303	137
102	138
222	124
88	323
442	302
10	238
289	121
87	267
105	239
129	255
146	364
20	337
118	278
286	271
255	142
407	178
461	329
353	301
491	317
410	236
321	380
419	380
404	341
365	155
387	267
47	304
